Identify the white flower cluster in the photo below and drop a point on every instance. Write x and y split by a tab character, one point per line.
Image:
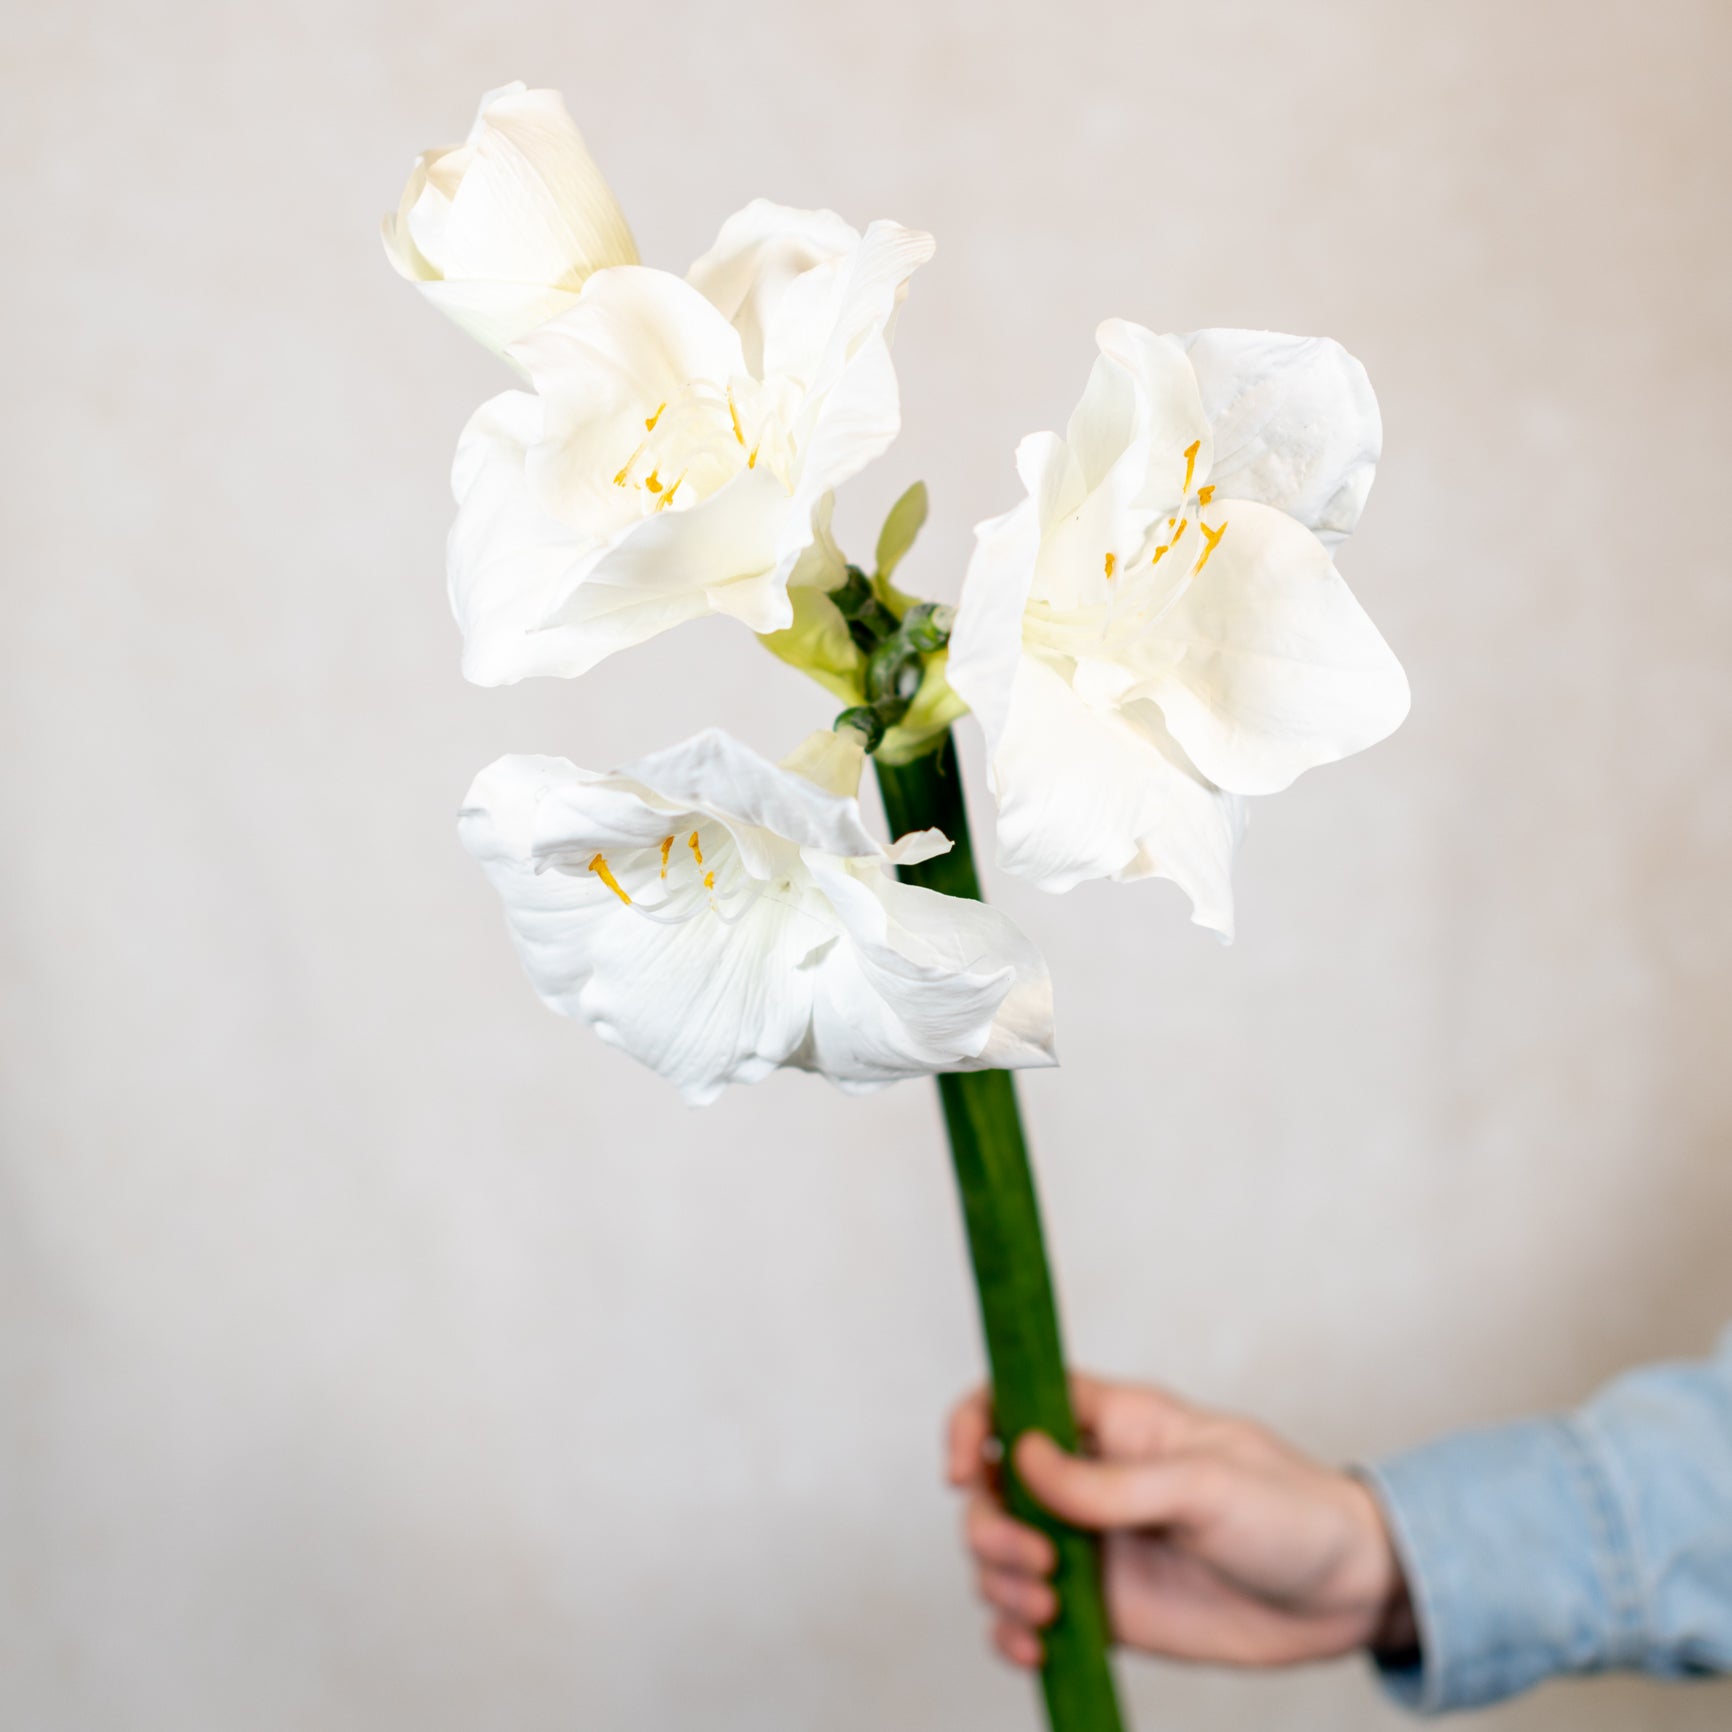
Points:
1155	633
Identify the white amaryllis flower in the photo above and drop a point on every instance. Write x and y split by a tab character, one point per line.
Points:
683	434
718	916
1158	629
501	230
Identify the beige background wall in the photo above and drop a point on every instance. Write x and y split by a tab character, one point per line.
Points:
382	1352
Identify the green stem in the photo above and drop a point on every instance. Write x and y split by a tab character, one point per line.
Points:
1002	1214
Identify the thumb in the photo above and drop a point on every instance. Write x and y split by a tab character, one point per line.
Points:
1098	1494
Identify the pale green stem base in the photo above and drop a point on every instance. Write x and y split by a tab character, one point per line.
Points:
1002	1214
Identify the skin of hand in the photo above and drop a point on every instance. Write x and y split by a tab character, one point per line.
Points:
1221	1542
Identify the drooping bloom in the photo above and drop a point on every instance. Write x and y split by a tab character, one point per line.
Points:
718	916
501	231
682	436
1158	630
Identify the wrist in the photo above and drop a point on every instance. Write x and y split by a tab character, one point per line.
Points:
1391	1629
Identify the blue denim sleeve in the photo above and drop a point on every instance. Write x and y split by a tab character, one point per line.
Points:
1593	1540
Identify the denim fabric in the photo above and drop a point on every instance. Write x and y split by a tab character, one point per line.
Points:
1597	1539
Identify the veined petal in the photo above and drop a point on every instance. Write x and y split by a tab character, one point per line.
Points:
1295	424
689	1000
501	230
1281	668
1085	793
922	984
946	932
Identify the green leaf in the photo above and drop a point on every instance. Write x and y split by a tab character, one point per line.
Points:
906	517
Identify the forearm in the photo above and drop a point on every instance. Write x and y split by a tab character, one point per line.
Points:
1596	1540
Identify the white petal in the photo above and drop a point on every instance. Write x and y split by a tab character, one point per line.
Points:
986	642
1135	437
1281	668
1295	424
704	1003
954	932
852	410
829	760
923	982
1155	404
1085	793
714	773
510	565
496	315
761	252
717	557
500	231
917	846
530	206
635	340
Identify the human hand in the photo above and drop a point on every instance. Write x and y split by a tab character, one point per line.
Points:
1221	1542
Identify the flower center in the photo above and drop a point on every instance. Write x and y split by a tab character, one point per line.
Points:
1165	539
691	445
686	874
698	441
1138	584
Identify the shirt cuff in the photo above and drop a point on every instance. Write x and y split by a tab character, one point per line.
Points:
1518	1563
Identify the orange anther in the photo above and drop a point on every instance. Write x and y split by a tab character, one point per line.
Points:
599	867
1213	537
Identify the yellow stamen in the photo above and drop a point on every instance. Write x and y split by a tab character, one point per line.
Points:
709	881
667	498
667	847
624	475
1180	530
1205	494
1191	451
653	482
697	852
1213	537
599	867
1158	552
650	424
1112	561
752	461
739	432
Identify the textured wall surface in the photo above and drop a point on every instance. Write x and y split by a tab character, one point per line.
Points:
380	1351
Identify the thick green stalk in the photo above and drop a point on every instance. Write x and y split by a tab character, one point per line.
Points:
1002	1214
